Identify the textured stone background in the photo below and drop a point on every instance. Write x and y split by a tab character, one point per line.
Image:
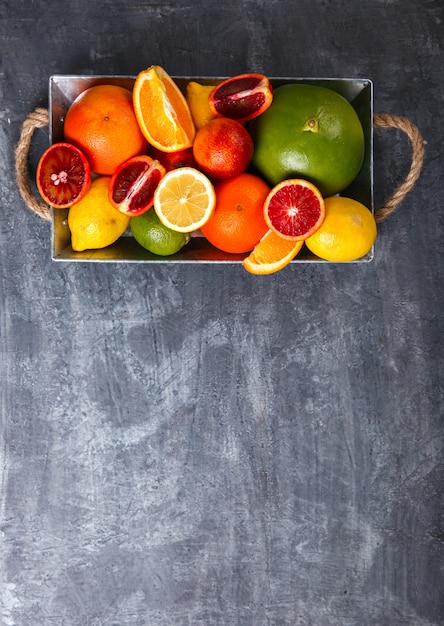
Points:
194	446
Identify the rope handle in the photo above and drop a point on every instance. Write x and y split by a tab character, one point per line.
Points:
384	120
39	118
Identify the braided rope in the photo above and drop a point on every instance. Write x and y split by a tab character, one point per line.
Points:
40	118
384	120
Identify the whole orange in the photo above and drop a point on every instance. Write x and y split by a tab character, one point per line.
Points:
102	123
223	148
238	223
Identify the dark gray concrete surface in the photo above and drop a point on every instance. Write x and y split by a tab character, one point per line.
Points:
191	445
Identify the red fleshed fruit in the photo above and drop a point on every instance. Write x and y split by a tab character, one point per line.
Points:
294	209
132	186
241	97
63	175
173	160
223	148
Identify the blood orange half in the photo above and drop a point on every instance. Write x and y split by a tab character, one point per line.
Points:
132	186
241	97
294	209
63	175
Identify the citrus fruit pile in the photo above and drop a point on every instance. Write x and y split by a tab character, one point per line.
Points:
256	170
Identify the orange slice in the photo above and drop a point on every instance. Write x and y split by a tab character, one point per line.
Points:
184	199
162	111
271	254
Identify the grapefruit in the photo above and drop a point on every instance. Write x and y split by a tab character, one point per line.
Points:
309	132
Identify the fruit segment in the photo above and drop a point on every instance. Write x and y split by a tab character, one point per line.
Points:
271	254
162	111
132	186
241	97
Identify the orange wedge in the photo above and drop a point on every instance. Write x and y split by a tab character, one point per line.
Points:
162	111
271	254
184	199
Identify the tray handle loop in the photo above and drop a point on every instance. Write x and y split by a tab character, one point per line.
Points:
39	118
384	120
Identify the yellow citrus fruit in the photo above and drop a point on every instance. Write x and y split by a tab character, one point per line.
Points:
347	233
197	98
93	221
162	111
184	199
271	254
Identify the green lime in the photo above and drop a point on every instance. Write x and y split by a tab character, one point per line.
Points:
309	132
152	235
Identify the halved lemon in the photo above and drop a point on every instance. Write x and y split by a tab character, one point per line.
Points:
184	199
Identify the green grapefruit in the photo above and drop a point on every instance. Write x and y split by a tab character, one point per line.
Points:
308	132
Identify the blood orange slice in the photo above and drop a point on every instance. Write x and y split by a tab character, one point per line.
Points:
294	209
241	97
63	175
132	186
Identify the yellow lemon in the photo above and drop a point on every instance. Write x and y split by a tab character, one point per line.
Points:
197	98
184	199
347	233
93	221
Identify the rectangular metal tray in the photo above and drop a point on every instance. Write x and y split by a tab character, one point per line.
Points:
63	89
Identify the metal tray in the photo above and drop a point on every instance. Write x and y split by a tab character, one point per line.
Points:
64	89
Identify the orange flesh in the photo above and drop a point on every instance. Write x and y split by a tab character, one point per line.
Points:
162	111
